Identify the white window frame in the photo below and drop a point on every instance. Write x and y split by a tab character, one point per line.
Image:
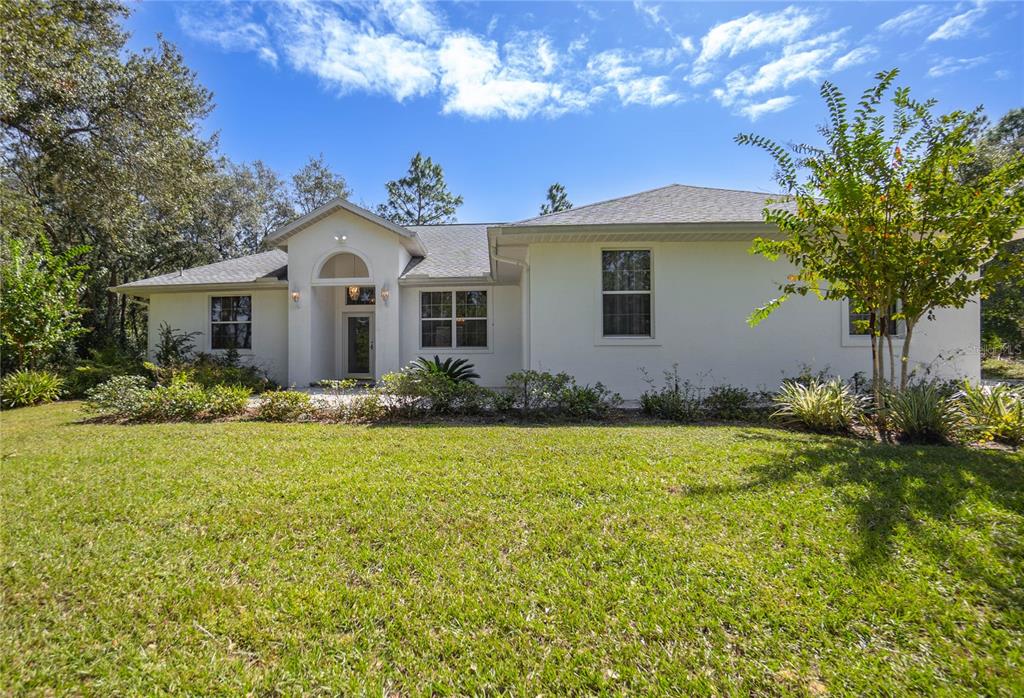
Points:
863	340
600	338
210	322
455	349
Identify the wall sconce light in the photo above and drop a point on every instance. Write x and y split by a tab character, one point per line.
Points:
296	296
385	294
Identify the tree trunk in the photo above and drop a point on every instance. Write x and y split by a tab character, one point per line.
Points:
905	355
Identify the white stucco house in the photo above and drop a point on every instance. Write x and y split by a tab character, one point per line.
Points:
604	292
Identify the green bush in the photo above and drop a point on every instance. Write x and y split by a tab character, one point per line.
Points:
101	366
457	370
121	397
284	406
821	406
227	400
585	401
367	408
922	413
182	400
734	403
24	387
678	400
992	413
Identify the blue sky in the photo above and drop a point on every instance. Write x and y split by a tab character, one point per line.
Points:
607	98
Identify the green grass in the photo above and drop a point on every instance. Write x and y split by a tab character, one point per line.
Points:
235	558
1002	369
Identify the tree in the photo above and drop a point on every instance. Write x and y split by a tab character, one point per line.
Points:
557	200
40	313
880	215
100	147
263	204
421	197
314	185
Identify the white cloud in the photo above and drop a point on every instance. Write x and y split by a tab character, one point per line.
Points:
948	66
651	12
412	18
908	20
749	32
233	31
756	111
858	56
794	65
957	25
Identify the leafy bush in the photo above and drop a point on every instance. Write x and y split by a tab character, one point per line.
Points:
677	400
121	397
101	366
821	406
284	406
536	393
585	401
24	387
732	402
174	347
227	400
992	413
922	413
457	370
209	370
410	391
368	408
182	400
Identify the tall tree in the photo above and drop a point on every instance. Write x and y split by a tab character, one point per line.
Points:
264	204
421	197
557	200
100	145
315	184
879	214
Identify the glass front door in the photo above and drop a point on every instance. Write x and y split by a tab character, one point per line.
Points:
359	329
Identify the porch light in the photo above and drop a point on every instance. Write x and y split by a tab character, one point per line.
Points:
385	293
343	238
353	293
296	296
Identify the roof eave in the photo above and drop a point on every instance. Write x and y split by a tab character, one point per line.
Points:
282	234
149	289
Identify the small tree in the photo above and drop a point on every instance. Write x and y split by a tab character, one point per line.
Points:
39	308
557	200
421	197
880	214
315	185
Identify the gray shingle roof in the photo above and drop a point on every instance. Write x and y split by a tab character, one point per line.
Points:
676	203
265	265
453	251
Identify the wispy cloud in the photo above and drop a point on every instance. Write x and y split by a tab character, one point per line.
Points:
948	66
858	56
958	25
234	30
909	20
759	109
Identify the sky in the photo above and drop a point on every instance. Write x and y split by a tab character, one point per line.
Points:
607	98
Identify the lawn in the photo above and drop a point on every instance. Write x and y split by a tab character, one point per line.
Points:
1002	369
233	558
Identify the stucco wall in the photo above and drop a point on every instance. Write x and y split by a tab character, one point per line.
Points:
190	312
703	294
502	357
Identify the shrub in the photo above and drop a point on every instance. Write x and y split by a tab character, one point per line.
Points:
24	387
227	400
210	370
283	406
101	366
457	370
822	406
181	400
922	413
992	413
729	402
585	401
677	400
174	347
536	391
121	397
411	391
369	407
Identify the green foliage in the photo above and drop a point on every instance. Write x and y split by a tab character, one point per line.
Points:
210	370
421	197
558	395
284	406
585	401
182	400
315	184
121	397
102	365
455	369
881	213
730	402
26	387
174	347
417	389
923	413
676	399
1006	369
557	200
992	413
827	407
40	314
1002	311
227	400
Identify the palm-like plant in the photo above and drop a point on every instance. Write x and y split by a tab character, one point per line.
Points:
458	370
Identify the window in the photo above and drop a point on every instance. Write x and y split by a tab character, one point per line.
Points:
626	293
459	316
858	324
360	295
231	322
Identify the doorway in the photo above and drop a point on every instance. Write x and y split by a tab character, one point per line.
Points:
358	359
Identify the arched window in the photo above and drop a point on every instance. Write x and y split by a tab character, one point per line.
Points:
344	265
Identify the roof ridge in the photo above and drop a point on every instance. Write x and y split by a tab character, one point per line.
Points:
737	191
598	203
449	225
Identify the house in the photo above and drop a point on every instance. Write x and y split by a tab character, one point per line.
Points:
605	292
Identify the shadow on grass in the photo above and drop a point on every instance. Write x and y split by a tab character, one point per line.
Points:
903	488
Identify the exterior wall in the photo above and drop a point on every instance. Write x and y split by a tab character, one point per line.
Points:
703	294
190	312
312	322
504	332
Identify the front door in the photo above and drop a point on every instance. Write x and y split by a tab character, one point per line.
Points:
359	345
